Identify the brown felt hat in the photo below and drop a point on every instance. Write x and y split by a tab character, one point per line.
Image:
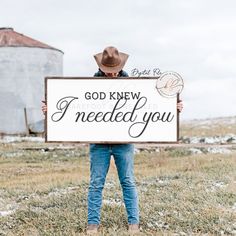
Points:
111	60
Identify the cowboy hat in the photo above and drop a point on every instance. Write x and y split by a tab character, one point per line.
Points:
111	60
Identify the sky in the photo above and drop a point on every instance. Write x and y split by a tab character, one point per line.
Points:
195	38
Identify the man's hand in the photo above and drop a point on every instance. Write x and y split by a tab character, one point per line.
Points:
180	106
44	107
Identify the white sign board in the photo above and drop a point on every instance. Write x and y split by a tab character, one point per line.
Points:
109	110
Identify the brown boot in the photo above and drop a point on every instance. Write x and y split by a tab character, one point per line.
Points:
134	229
92	229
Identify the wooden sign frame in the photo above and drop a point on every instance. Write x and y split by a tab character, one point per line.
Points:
146	79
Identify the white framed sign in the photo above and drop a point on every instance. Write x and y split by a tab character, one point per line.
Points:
110	110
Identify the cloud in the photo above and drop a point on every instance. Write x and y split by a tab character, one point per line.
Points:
209	98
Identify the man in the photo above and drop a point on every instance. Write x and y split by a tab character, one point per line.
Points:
111	63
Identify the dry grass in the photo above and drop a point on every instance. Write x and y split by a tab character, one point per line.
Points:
217	127
179	194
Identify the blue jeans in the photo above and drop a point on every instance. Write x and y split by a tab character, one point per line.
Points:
100	155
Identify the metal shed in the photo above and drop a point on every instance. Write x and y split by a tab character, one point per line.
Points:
24	62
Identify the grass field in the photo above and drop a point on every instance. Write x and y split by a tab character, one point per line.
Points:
209	127
44	192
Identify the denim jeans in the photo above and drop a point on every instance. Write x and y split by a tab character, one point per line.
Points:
100	155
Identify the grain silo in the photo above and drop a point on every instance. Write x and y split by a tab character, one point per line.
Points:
24	62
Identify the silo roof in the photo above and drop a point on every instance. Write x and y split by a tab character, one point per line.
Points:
11	38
